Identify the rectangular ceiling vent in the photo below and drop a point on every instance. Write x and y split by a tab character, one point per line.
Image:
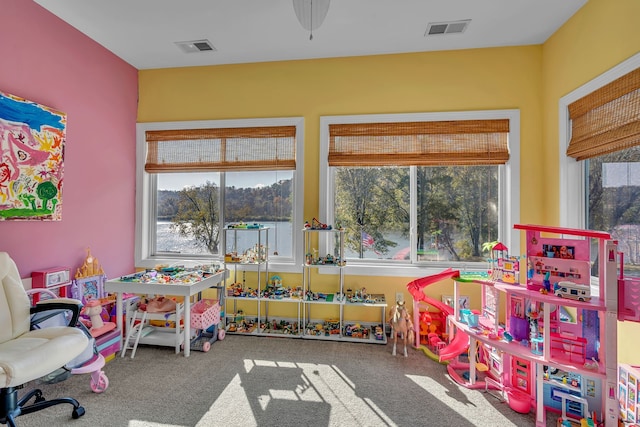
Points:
196	46
440	28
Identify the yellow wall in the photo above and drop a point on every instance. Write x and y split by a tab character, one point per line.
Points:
601	35
530	78
481	79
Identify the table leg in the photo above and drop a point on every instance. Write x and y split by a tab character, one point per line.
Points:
119	317
187	326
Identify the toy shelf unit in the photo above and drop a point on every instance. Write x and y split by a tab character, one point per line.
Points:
323	311
246	250
554	321
314	300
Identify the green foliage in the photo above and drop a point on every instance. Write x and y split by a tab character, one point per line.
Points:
612	206
198	215
488	246
456	207
371	200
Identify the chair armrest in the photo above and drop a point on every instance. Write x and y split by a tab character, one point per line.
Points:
55	307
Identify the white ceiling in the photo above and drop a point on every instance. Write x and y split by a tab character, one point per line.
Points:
144	32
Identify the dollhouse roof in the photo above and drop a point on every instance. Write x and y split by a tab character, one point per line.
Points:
500	247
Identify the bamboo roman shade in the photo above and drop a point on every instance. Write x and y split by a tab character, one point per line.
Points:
428	143
221	149
607	119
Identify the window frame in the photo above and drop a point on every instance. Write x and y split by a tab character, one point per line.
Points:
572	174
509	190
146	191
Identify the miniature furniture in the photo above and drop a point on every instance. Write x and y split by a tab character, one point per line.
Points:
27	354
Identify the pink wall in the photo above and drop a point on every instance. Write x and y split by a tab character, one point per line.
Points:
47	61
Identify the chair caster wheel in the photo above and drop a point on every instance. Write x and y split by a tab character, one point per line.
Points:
77	413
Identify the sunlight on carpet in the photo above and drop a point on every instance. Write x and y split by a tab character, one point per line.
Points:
138	423
279	384
473	398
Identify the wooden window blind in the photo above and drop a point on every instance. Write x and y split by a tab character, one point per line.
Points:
606	120
428	143
221	149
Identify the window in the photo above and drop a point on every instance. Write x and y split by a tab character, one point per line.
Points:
195	178
600	159
420	190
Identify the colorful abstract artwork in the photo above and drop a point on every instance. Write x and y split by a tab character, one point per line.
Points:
32	139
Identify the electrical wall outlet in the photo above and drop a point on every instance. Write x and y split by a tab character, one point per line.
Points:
399	296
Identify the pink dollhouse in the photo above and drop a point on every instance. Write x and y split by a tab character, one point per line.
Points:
556	350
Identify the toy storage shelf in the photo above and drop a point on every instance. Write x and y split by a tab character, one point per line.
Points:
240	258
291	327
338	328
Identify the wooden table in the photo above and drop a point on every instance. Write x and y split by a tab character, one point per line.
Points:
186	290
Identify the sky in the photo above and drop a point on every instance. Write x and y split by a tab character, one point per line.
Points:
177	181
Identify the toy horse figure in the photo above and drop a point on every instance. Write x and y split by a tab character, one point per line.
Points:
400	322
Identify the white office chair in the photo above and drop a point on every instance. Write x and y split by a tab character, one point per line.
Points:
27	354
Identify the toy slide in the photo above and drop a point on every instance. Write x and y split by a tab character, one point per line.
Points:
415	287
456	347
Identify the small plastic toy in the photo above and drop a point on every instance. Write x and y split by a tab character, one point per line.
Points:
316	225
93	309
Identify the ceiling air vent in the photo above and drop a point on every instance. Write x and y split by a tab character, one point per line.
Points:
453	27
196	46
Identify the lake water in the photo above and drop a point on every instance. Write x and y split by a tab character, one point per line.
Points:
280	237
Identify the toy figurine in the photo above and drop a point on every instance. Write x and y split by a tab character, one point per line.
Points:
401	323
93	309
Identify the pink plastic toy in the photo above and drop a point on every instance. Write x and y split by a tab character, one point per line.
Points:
93	309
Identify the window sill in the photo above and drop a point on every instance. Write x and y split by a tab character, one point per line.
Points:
401	270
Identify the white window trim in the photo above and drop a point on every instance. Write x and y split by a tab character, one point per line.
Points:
572	192
509	188
146	189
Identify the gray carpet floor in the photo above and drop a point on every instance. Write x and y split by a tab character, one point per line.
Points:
262	381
